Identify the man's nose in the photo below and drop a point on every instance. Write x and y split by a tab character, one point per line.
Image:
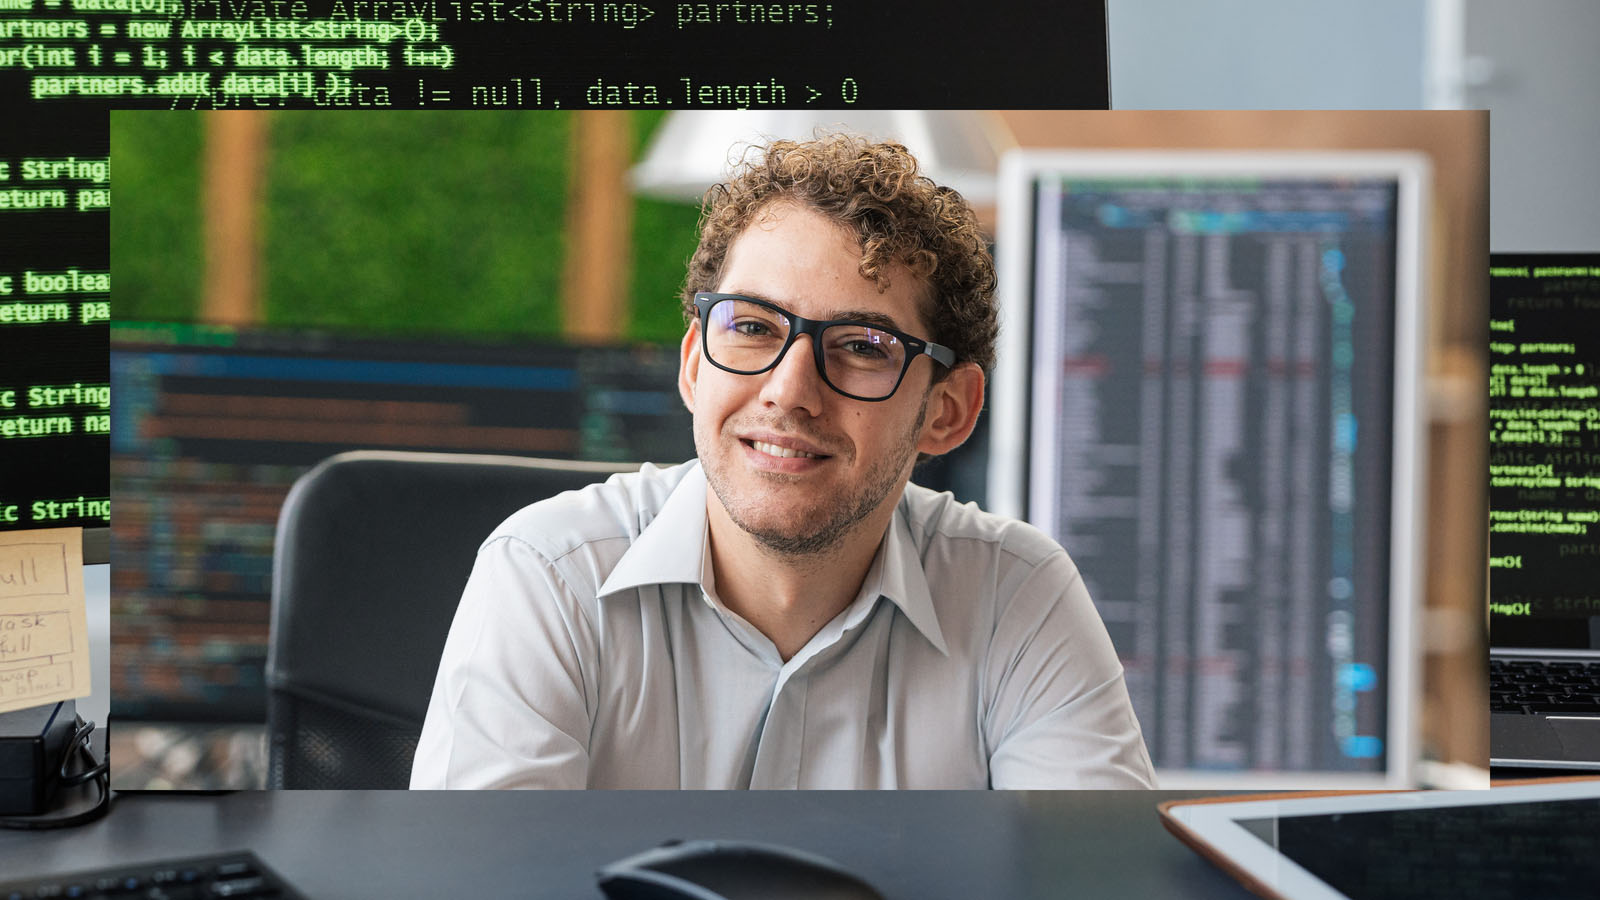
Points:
794	383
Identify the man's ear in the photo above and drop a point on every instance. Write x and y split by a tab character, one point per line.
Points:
953	407
689	364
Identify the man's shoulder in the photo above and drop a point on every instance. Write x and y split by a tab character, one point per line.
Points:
617	509
984	570
937	517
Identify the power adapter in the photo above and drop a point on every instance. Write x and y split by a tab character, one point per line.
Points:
33	741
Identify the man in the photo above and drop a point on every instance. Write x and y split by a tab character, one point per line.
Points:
786	611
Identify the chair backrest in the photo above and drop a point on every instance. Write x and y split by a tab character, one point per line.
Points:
373	549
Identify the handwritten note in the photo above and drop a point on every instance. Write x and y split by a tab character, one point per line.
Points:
44	646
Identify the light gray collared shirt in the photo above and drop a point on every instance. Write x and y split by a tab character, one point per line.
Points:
590	650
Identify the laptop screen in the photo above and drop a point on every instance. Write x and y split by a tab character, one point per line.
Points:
1544	450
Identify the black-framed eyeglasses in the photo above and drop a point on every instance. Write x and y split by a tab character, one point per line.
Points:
860	360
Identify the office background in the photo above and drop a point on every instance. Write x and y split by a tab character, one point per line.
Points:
462	240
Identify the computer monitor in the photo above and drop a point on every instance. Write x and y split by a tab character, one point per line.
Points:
1544	451
1208	393
54	306
214	424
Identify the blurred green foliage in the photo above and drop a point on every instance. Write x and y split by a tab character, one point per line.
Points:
156	254
416	222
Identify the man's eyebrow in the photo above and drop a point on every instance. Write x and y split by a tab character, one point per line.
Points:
864	316
867	317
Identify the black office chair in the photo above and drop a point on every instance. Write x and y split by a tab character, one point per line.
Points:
373	549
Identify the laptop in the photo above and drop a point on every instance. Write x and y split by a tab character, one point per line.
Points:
1544	510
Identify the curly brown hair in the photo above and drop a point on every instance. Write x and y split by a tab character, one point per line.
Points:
899	216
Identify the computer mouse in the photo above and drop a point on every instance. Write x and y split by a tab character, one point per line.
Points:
730	870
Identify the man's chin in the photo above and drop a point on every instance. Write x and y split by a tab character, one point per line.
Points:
805	527
793	542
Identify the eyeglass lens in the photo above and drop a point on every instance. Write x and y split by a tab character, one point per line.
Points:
857	359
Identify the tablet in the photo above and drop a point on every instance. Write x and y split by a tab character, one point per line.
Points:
1535	840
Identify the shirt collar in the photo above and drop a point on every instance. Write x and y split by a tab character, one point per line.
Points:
905	582
671	548
668	550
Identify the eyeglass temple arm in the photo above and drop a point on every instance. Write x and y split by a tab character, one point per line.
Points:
940	353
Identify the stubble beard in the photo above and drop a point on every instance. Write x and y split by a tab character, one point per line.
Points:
817	531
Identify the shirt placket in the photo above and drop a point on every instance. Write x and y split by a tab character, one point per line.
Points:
783	735
779	755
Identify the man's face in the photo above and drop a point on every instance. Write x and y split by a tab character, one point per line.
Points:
854	456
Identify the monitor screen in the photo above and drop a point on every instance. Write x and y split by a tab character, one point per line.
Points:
1212	372
214	424
1544	450
54	304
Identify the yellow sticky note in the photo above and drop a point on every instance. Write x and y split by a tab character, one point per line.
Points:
44	634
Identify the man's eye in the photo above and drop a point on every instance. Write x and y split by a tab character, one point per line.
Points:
752	329
864	348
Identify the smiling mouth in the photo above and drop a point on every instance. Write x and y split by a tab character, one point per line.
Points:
782	452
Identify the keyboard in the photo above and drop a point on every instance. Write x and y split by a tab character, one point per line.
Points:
209	877
1544	687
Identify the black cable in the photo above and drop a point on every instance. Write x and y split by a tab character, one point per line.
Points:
96	770
80	740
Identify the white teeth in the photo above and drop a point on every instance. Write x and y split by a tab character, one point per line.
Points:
784	452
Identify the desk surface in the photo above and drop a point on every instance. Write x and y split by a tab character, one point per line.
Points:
384	844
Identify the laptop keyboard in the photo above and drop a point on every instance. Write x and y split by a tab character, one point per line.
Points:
221	875
1545	687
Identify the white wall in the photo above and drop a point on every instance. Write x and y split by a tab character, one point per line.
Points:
1531	63
1534	65
1266	54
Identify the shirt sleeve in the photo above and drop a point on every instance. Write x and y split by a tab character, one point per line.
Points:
512	702
1060	716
